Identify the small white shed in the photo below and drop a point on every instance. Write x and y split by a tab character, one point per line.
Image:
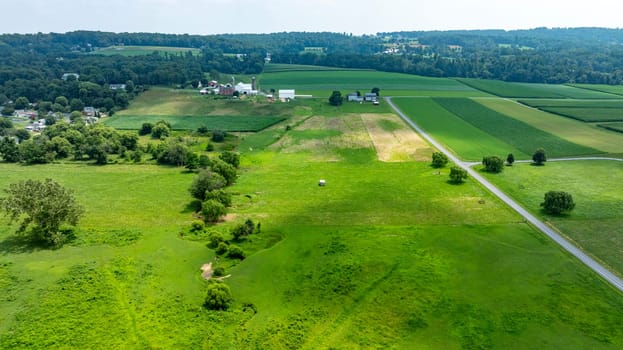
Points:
286	94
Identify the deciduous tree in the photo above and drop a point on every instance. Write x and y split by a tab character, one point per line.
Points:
539	157
493	164
41	207
439	160
457	174
557	202
218	296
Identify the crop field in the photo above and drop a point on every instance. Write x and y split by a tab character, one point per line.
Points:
595	223
145	50
588	115
571	103
323	82
572	130
462	138
611	89
279	67
528	90
514	132
212	122
618	127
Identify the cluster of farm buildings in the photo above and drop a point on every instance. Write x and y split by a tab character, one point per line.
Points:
240	89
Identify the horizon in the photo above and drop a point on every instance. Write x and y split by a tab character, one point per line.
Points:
364	17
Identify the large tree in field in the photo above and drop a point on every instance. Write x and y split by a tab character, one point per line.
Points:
42	207
539	157
493	164
439	160
336	98
557	202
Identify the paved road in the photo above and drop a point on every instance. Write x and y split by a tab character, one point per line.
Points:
615	281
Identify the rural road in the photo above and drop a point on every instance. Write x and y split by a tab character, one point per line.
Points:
615	281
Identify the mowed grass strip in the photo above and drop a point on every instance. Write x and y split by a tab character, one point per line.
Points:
224	123
515	132
573	130
531	90
462	138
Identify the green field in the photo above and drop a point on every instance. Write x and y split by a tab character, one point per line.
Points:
572	130
569	103
462	138
520	135
213	122
321	83
595	223
386	255
588	115
611	89
618	127
279	67
529	90
145	50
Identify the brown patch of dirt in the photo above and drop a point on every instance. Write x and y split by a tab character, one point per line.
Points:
206	271
400	145
229	217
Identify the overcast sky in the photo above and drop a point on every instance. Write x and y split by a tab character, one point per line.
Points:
267	16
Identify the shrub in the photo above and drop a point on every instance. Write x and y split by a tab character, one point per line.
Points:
218	271
145	129
219	195
197	225
230	157
218	136
221	248
212	210
204	182
218	296
160	131
510	159
235	252
439	160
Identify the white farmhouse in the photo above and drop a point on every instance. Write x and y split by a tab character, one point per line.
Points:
245	89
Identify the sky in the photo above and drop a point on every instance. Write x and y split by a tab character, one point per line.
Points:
269	16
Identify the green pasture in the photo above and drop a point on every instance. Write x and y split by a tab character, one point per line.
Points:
530	90
363	81
595	223
522	136
145	50
588	115
572	130
611	89
462	138
618	127
212	122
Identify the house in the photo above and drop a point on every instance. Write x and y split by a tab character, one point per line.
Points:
370	97
67	75
89	111
116	86
213	84
286	95
354	97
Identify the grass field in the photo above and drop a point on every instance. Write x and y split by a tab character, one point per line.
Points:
514	132
618	127
527	90
572	103
386	255
595	223
572	130
322	83
611	89
462	138
145	50
213	122
279	68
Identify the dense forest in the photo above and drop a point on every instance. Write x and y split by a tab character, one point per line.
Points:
32	65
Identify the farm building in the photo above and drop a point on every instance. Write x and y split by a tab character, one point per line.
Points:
226	90
370	96
117	86
285	95
354	97
245	89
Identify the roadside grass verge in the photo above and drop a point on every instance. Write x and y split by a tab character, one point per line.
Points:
572	130
514	132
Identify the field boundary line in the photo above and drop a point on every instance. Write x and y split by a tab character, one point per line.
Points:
606	274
